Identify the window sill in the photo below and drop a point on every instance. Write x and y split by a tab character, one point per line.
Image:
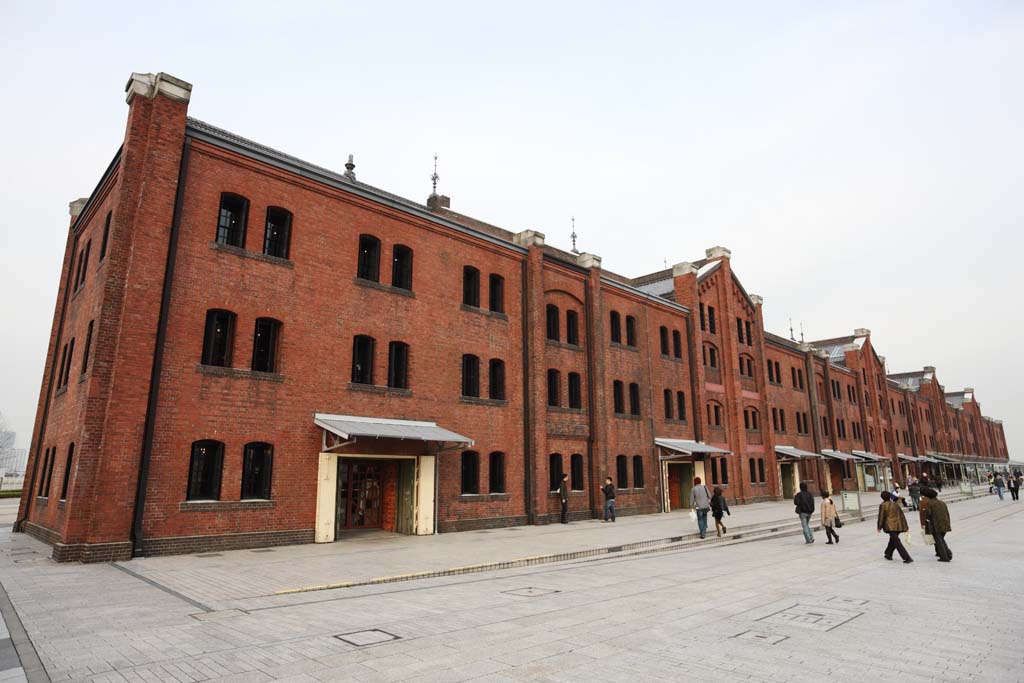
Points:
625	347
672	359
226	505
370	284
239	251
627	416
484	311
60	392
42	500
479	497
81	378
561	409
477	401
676	422
374	389
563	345
574	493
235	373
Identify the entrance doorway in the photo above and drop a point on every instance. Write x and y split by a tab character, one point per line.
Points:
787	475
359	500
680	481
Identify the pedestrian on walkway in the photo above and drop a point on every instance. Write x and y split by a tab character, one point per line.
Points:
937	524
804	502
563	495
991	482
998	483
700	501
1013	483
914	489
719	507
609	499
897	494
828	517
892	522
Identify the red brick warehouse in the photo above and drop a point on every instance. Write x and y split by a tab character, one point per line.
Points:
250	350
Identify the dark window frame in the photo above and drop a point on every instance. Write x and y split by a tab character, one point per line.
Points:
619	397
576	478
211	464
368	258
277	232
470	375
496	293
106	238
572	327
398	365
634	398
615	321
470	286
66	478
638	472
266	343
631	333
232	234
402	267
621	472
554	396
363	351
496	379
257	471
677	344
552	322
496	472
218	345
575	388
555	471
469	474
88	347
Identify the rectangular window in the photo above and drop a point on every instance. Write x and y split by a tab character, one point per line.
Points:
618	397
621	472
231	220
496	472
362	359
67	473
668	404
703	321
552	322
88	347
782	420
576	472
572	328
85	263
470	286
555	471
681	405
750	340
677	344
575	390
401	267
824	425
771	372
638	472
793	372
496	385
63	364
204	471
739	330
760	470
71	356
634	399
663	335
106	238
496	293
42	473
257	465
724	470
775	419
616	328
398	365
711	319
470	376
753	470
630	331
470	473
265	344
554	388
218	339
278	231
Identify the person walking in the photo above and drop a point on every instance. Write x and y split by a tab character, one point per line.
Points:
897	494
828	517
998	483
563	495
1013	483
609	500
892	521
804	502
991	481
700	501
719	507
937	524
914	489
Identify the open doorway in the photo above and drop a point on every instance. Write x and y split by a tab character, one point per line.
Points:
680	481
787	475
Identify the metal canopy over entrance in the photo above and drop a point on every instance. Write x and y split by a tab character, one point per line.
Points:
682	448
351	427
794	452
874	457
837	455
683	462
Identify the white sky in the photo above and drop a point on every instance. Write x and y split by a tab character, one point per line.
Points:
863	160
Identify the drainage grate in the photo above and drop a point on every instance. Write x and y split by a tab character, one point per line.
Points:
210	555
530	592
808	616
263	550
761	637
370	637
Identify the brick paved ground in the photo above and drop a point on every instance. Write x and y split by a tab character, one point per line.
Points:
769	610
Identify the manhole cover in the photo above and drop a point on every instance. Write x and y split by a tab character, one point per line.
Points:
812	617
761	637
530	592
364	638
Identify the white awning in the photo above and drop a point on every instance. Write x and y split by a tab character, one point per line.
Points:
907	458
351	426
838	455
682	447
794	452
870	456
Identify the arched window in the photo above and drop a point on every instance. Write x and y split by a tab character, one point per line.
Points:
470	286
576	472
67	473
575	390
618	397
668	404
746	365
106	237
204	470
49	469
67	368
401	267
278	233
398	365
42	472
715	414
621	472
88	347
362	359
634	398
552	322
616	327
470	473
218	339
677	344
663	334
266	340
470	375
234	212
554	388
750	419
497	293
496	472
369	258
630	331
710	356
257	466
572	328
496	377
555	471
753	470
638	472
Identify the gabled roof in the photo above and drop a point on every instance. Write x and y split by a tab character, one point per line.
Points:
782	341
913	380
836	347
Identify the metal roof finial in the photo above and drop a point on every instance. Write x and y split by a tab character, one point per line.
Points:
792	337
350	168
573	236
434	177
801	332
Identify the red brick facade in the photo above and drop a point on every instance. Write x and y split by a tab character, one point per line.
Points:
134	409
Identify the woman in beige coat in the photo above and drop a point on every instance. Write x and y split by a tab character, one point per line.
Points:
828	517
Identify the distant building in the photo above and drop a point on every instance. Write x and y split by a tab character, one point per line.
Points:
13	461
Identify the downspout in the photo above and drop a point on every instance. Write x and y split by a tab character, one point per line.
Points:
698	426
652	394
591	393
531	517
158	354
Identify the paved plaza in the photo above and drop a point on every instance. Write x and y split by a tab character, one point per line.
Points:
760	608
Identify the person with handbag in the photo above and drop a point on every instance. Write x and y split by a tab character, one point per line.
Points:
1013	483
893	522
937	524
804	503
563	497
829	517
719	507
700	502
914	489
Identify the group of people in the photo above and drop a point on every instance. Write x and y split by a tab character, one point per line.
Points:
997	483
703	501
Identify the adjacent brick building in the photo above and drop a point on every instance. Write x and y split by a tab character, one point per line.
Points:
251	350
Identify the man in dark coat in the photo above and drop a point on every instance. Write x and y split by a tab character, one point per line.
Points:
609	500
804	503
937	523
563	496
893	522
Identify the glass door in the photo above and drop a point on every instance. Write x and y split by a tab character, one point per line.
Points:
359	497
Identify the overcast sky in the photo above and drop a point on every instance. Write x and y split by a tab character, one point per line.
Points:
862	160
